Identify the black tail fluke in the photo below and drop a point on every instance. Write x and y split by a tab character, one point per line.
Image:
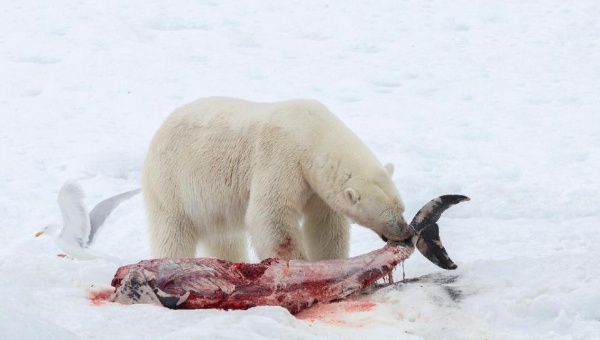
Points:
427	232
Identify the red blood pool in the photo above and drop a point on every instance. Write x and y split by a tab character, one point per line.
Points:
336	313
99	296
359	306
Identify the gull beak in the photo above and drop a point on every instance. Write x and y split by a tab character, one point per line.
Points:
38	233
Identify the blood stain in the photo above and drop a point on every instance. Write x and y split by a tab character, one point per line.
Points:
284	250
339	313
98	296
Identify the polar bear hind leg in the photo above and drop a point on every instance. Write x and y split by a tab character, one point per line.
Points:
326	233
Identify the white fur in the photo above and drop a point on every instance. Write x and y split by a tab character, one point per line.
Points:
220	167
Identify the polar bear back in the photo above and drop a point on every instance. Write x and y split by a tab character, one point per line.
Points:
303	126
304	119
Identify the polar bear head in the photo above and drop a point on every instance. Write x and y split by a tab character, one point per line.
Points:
375	203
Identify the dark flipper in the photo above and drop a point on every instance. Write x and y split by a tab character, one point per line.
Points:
427	233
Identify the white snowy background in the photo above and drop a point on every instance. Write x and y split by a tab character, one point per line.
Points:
497	100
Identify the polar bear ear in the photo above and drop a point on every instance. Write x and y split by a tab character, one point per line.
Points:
390	168
352	195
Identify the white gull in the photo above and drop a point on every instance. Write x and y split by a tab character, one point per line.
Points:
79	229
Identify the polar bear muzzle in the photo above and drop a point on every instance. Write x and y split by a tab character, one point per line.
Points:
399	231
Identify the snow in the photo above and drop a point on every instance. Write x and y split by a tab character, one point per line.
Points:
499	101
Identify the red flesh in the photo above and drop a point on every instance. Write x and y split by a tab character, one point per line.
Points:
292	284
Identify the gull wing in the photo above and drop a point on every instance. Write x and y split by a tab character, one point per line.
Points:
101	211
76	222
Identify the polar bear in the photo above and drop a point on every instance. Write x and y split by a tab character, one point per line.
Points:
219	168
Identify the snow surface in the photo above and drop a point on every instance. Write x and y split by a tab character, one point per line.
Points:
497	100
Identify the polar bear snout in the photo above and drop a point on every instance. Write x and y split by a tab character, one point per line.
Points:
398	231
